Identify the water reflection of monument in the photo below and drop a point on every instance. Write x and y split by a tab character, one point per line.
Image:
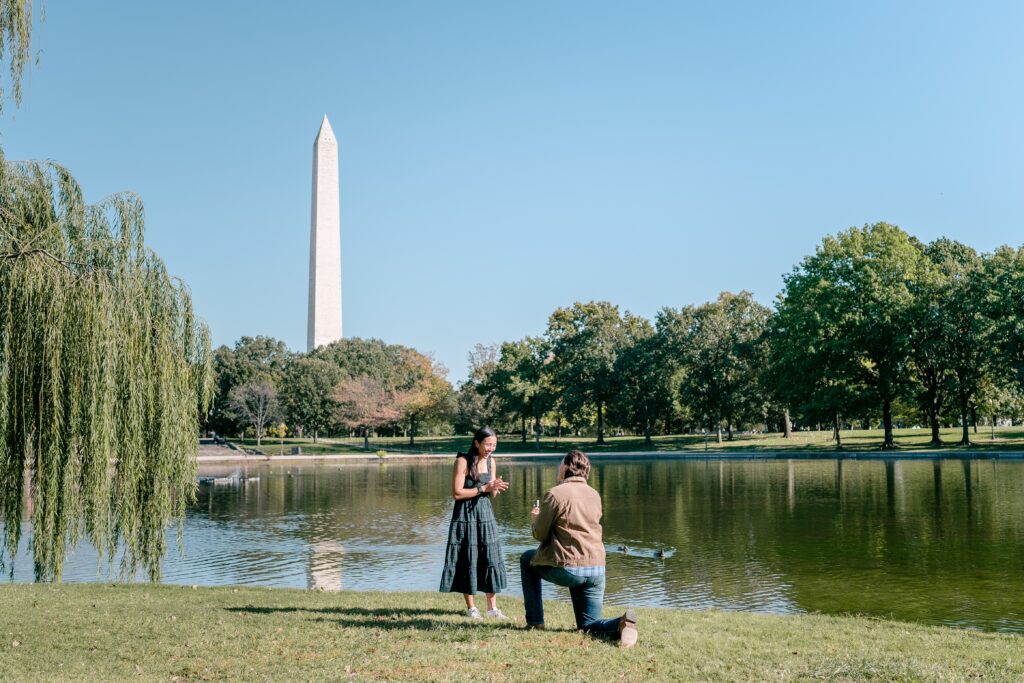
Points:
323	572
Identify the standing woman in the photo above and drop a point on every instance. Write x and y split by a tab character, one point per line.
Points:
474	559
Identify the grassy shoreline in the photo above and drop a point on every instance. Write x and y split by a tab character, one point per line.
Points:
909	441
162	632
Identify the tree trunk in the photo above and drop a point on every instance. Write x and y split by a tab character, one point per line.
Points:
536	432
719	431
787	425
558	431
600	422
522	426
728	428
647	432
412	430
934	420
366	439
888	442
965	439
933	416
974	418
835	432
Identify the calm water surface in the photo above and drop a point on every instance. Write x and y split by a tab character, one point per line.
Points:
929	541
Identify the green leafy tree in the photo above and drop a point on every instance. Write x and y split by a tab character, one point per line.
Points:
862	279
519	384
307	394
1000	398
357	357
811	368
473	405
471	408
959	326
931	334
252	359
1002	300
724	352
645	375
105	373
585	341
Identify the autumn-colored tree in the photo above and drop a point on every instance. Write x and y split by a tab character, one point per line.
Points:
427	394
366	403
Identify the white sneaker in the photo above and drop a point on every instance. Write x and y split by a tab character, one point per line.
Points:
473	613
496	614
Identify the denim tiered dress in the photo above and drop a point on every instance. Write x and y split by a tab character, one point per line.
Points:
473	562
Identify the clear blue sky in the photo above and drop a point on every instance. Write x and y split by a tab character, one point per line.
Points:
502	160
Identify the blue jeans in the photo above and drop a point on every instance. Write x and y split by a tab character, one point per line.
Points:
587	594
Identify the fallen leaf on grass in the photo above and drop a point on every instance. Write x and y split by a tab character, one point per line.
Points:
15	643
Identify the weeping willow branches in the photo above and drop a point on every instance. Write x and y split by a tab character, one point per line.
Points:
15	42
104	373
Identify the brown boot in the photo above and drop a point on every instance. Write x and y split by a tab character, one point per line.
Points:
627	629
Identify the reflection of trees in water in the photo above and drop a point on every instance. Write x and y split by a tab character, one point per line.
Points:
332	498
325	507
912	538
831	534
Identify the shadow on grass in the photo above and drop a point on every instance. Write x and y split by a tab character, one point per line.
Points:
406	618
349	611
418	624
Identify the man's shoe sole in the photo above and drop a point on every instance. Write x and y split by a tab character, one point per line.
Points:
628	634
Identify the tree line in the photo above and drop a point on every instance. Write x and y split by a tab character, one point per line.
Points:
874	328
350	386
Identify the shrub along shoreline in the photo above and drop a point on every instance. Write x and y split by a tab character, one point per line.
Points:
182	633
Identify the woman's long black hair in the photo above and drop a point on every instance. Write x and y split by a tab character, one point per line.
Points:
472	455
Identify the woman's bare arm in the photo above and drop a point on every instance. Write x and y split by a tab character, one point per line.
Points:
459	478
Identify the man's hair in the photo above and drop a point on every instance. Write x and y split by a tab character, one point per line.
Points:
577	464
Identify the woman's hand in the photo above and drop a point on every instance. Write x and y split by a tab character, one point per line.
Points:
496	486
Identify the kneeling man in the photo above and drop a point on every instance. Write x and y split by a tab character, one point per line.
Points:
571	553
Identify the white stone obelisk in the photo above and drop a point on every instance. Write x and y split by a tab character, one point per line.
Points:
324	243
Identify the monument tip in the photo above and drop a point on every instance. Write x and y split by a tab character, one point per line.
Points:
325	127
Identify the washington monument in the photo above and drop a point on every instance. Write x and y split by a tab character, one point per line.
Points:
324	325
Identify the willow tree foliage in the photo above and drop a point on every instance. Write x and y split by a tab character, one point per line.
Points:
15	43
104	372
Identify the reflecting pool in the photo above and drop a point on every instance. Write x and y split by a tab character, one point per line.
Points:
934	541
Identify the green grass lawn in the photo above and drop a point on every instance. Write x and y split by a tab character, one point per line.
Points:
177	633
274	447
1005	439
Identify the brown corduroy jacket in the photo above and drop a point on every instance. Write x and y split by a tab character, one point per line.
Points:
569	526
